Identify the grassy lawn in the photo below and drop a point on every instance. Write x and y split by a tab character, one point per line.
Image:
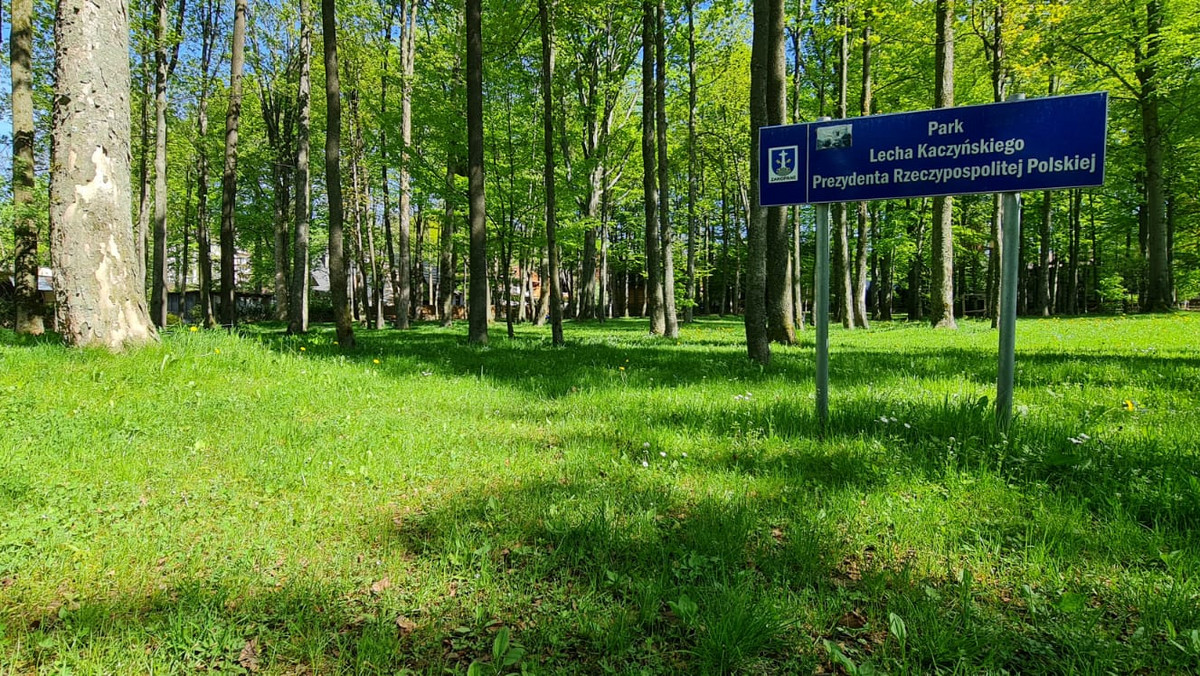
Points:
266	504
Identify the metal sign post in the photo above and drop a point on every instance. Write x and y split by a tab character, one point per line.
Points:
821	315
1011	208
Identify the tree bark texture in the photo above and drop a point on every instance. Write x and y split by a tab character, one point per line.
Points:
941	288
298	303
333	179
666	232
556	330
477	215
654	287
101	301
237	62
780	327
758	344
25	230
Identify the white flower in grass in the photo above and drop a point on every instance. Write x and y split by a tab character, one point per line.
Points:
663	453
645	463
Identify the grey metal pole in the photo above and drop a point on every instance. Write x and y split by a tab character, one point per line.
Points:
821	310
821	314
1011	207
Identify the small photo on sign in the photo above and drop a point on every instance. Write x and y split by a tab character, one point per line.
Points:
784	164
840	136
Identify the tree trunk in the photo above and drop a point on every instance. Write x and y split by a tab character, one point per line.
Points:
758	344
100	297
942	285
229	179
1044	256
654	287
407	62
780	326
478	330
690	289
665	231
298	304
333	178
844	291
446	266
25	230
551	281
1159	296
860	250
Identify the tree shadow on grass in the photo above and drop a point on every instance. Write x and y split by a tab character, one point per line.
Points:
530	364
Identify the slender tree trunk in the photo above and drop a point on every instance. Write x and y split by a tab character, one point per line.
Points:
666	232
860	250
100	298
333	178
478	330
690	290
25	230
142	234
758	344
407	61
654	287
1159	297
1044	256
942	284
844	291
229	178
552	281
996	46
446	266
298	304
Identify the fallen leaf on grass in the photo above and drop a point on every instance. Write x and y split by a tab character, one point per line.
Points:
852	620
249	656
406	625
380	586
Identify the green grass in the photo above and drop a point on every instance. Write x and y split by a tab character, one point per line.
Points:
621	505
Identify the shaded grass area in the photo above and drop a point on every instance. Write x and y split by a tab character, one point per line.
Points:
624	504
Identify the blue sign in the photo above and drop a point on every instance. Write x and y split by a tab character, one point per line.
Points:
1032	144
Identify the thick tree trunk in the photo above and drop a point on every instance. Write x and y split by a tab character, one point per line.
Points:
941	313
25	230
555	295
100	299
229	178
298	304
654	286
478	331
333	178
758	344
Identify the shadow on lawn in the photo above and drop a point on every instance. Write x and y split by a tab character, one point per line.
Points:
532	365
923	437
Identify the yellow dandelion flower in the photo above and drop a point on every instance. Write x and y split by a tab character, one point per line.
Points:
303	349
194	329
376	361
218	350
1129	405
622	368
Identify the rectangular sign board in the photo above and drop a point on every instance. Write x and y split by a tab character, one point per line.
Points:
1031	144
